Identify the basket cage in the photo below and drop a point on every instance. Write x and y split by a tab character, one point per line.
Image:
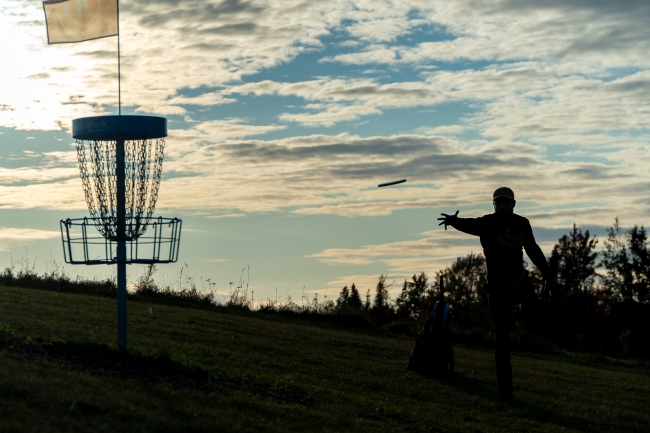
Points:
142	172
82	244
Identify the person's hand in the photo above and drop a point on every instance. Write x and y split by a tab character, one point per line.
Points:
448	219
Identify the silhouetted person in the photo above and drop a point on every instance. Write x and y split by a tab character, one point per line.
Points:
502	235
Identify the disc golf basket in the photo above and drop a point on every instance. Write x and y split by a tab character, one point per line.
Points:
120	160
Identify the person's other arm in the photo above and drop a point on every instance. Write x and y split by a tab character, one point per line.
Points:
535	253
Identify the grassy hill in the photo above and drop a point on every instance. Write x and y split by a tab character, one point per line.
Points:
211	369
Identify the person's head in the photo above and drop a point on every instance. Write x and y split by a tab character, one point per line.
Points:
504	202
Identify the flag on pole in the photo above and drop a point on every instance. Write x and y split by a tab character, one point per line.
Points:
80	20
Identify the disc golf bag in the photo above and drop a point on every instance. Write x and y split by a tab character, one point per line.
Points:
442	314
433	353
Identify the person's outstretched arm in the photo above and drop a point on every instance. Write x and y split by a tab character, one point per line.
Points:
471	226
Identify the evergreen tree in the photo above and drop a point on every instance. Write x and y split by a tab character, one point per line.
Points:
381	312
417	288
354	301
366	306
344	297
349	301
381	293
402	299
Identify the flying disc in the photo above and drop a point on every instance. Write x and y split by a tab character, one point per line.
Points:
395	182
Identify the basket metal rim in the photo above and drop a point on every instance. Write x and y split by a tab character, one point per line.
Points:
159	239
127	127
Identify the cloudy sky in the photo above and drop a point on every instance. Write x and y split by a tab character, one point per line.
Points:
285	115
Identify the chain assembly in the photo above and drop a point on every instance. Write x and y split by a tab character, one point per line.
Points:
143	170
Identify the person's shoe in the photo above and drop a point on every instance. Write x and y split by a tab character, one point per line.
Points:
506	395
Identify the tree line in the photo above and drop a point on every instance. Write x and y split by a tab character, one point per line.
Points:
600	302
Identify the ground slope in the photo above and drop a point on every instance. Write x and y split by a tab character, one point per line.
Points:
209	369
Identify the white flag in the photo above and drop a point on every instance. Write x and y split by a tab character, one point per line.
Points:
80	20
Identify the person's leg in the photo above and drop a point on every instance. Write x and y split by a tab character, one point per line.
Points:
500	309
526	312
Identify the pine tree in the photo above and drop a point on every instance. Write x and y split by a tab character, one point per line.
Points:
366	306
381	294
344	297
402	299
416	293
354	301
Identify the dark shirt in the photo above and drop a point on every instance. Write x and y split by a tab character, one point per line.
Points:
502	243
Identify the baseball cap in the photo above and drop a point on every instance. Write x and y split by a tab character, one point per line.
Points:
503	191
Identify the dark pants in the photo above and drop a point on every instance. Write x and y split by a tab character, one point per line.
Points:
502	299
500	307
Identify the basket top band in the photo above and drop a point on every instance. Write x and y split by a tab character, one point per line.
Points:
119	127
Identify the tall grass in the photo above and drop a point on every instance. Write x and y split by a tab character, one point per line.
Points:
20	273
238	297
147	287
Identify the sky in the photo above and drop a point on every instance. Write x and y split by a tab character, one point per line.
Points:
285	115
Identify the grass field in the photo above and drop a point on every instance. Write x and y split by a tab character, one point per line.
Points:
217	369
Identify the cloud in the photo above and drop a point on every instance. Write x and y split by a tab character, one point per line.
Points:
331	115
64	195
374	54
11	236
539	50
433	251
442	130
35	175
223	41
20	234
434	243
512	30
228	215
557	95
518	99
40	76
362	282
234	128
192	140
337	175
157	13
345	100
209	169
205	99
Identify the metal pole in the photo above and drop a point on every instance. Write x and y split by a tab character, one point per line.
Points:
121	245
119	75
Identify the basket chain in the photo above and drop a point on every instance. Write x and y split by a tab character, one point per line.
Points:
142	183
